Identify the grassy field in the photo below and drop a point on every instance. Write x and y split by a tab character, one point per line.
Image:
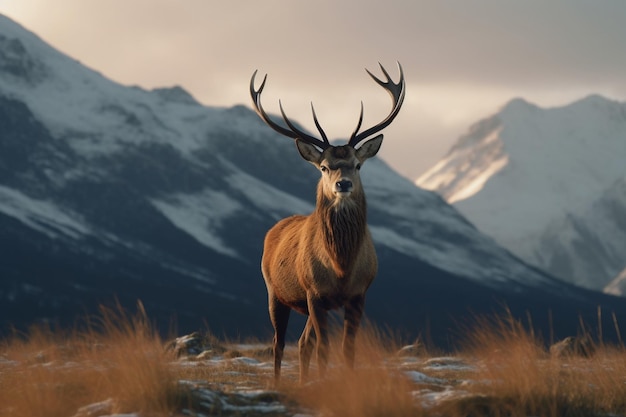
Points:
118	364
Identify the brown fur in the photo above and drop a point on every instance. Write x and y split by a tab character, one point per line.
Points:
322	261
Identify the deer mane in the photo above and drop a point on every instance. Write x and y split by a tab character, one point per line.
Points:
343	229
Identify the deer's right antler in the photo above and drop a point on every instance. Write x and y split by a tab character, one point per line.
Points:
293	131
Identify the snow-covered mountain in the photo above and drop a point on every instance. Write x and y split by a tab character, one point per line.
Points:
112	192
548	184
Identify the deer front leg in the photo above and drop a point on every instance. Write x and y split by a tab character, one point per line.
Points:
351	323
318	319
279	315
305	349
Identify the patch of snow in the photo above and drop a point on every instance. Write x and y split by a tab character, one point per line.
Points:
267	198
420	378
429	399
448	363
201	275
43	216
464	170
239	402
200	215
479	180
100	408
245	361
618	285
7	362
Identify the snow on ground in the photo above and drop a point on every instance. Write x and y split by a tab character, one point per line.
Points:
251	395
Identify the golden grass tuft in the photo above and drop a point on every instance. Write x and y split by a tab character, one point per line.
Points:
516	376
374	388
118	358
363	392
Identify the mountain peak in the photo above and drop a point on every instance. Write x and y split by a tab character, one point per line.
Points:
518	104
518	176
594	99
176	94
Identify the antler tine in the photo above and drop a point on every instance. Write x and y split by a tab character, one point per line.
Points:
397	92
256	100
317	124
293	132
323	144
358	125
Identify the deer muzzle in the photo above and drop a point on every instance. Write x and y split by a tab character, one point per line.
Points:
343	188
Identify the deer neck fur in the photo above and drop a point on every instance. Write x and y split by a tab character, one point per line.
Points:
343	227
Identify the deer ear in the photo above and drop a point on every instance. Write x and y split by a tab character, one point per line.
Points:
308	152
369	148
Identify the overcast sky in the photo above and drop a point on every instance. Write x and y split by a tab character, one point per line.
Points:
462	59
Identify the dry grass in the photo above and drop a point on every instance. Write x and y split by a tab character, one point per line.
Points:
513	375
374	388
516	376
121	359
117	357
364	392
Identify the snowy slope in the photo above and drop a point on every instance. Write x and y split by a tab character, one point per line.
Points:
589	245
531	178
618	285
109	191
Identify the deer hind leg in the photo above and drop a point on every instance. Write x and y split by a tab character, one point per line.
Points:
318	319
351	323
279	315
305	348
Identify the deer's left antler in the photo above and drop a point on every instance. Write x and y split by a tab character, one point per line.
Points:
397	92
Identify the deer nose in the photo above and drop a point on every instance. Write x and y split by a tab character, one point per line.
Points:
344	186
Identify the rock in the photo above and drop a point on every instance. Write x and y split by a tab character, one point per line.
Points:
96	409
581	346
195	344
255	403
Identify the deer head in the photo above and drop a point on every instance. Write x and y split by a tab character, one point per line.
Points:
339	165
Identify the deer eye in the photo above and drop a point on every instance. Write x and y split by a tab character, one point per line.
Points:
358	166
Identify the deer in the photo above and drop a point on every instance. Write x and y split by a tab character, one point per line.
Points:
325	260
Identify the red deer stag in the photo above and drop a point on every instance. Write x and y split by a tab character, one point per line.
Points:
325	260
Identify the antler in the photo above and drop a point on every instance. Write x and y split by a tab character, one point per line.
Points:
397	92
293	131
